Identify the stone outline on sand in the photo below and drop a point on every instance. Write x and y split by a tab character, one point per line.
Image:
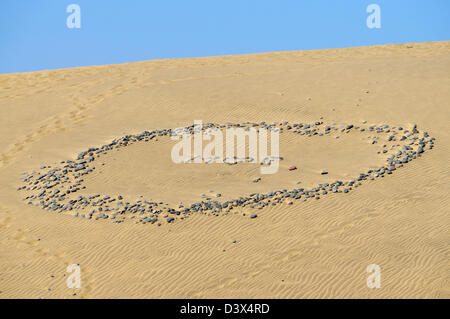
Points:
48	190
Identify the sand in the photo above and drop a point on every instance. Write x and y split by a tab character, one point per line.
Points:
313	249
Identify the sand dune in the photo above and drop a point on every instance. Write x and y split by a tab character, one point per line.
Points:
304	249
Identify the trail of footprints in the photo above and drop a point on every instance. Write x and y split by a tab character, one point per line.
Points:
21	237
54	188
59	123
76	116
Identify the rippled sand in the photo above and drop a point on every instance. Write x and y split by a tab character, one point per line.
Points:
307	249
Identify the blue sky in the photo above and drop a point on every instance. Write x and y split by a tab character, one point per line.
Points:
34	35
